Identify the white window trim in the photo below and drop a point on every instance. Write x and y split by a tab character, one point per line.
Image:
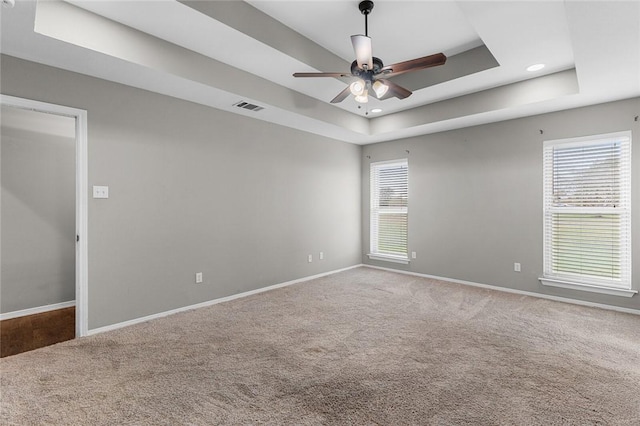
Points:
394	259
552	282
380	256
582	283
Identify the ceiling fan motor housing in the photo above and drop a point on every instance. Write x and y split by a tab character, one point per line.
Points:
367	75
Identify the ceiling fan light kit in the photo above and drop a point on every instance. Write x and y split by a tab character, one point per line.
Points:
358	87
380	88
370	72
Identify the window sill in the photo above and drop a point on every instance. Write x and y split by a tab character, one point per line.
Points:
552	282
389	259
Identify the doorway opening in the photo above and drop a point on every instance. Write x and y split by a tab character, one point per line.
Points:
39	228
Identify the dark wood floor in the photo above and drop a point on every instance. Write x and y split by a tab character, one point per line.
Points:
30	332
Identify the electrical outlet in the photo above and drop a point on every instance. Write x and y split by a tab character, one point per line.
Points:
321	257
516	267
198	277
310	258
100	191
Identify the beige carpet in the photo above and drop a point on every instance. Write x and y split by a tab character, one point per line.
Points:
359	347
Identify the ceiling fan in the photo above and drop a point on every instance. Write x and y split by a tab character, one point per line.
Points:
369	74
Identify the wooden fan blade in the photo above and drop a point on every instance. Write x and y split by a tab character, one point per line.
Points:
394	90
322	74
414	65
362	48
341	96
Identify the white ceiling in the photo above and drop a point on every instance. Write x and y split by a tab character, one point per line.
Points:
217	53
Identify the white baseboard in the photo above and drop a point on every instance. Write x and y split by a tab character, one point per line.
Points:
213	302
511	290
37	310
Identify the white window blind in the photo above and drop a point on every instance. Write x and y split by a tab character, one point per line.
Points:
389	209
587	210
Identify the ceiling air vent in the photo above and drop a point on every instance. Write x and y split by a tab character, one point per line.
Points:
247	105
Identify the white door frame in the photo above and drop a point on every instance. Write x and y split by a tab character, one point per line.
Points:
82	179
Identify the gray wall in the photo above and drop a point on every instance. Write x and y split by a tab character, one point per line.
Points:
38	210
475	197
193	189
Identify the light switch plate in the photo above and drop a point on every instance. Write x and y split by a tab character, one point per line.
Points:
100	191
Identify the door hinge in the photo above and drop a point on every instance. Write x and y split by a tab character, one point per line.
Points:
77	238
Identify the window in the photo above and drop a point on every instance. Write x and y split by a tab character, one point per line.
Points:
389	214
587	214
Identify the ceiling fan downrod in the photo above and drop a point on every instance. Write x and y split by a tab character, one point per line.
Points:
366	7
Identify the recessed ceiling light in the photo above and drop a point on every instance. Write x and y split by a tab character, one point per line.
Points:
376	110
536	67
